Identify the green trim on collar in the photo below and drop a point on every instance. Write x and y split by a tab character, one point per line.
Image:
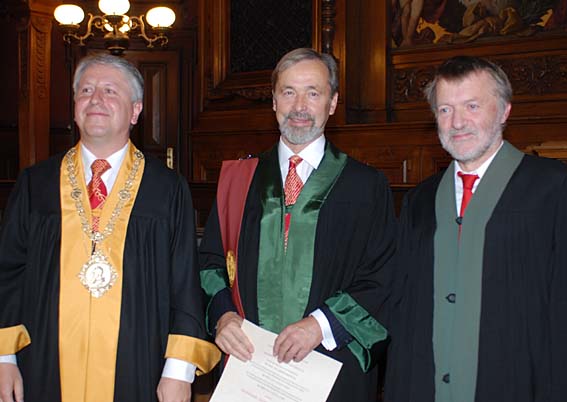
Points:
458	267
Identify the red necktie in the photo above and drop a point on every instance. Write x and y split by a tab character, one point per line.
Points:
96	188
292	188
468	183
293	183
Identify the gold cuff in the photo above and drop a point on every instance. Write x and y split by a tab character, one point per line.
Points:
13	339
202	354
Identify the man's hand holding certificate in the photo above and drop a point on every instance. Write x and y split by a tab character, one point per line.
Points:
263	378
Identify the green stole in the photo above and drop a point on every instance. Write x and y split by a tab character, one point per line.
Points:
458	270
284	276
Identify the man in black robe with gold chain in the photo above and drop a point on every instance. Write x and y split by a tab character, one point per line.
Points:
481	263
315	231
99	287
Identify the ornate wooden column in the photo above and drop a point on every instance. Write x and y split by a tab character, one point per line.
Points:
34	52
331	37
328	15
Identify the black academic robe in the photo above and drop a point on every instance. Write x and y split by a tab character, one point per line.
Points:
161	292
354	239
522	353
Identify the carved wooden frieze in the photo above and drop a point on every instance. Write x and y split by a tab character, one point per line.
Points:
34	33
409	83
538	75
41	27
261	93
544	75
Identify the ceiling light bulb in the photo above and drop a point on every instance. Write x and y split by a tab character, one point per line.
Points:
160	17
125	24
69	14
114	7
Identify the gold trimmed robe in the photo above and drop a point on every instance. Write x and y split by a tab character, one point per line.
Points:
160	293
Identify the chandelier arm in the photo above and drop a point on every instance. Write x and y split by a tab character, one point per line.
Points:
138	22
95	20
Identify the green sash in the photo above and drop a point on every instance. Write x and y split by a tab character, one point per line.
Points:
284	278
458	270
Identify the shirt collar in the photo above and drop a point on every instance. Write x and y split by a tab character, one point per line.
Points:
115	160
312	153
481	170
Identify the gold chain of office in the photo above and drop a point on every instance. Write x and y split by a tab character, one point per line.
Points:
98	275
123	195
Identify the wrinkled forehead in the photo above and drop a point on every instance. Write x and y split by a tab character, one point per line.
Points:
478	77
108	76
309	69
480	82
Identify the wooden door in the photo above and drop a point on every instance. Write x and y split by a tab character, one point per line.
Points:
158	130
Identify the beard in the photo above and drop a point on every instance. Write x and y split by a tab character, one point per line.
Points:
300	135
492	135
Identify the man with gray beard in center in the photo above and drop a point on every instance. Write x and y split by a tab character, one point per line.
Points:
316	229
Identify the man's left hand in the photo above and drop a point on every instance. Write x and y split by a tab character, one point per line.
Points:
297	340
170	390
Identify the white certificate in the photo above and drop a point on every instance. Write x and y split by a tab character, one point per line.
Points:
263	379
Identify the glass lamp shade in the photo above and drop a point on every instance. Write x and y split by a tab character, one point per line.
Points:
69	14
160	17
114	7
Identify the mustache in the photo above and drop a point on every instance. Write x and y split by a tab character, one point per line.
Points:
453	131
300	116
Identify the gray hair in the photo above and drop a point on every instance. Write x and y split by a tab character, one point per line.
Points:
131	73
301	54
459	67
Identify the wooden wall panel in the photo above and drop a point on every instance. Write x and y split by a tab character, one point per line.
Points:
406	152
209	150
366	65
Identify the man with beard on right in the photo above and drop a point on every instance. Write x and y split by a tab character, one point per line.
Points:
481	261
314	232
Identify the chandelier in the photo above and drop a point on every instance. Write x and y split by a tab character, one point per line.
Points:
115	24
